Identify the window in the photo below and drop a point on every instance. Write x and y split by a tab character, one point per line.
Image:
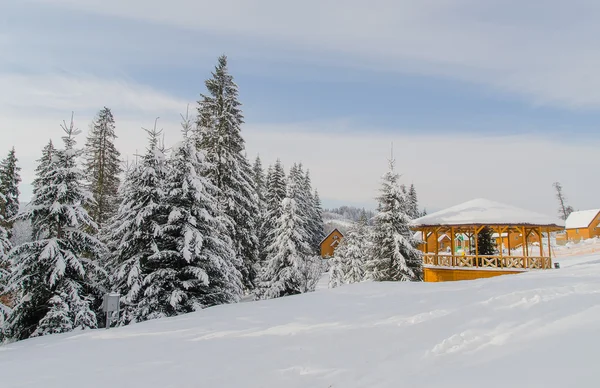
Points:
576	231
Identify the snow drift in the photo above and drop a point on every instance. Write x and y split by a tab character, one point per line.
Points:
538	329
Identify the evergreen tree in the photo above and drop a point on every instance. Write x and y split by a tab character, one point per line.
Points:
413	203
42	177
194	268
102	166
135	232
337	268
9	188
485	242
318	227
258	176
55	277
282	273
394	255
274	195
219	124
356	251
5	247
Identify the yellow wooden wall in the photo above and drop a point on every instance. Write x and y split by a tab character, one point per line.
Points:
584	233
451	274
328	246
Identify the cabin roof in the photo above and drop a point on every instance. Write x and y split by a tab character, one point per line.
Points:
332	232
581	219
486	212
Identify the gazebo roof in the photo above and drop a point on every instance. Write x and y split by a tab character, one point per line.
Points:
486	212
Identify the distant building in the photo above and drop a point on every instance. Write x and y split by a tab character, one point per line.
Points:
331	242
583	225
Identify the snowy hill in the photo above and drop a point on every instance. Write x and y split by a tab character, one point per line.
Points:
531	330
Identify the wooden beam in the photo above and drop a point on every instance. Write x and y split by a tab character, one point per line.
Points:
453	246
476	247
541	242
524	247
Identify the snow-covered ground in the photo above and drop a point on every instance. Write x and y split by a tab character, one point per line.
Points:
538	329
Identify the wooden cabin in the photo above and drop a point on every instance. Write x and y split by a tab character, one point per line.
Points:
330	242
514	226
583	225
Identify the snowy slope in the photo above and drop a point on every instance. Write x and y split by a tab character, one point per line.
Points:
537	329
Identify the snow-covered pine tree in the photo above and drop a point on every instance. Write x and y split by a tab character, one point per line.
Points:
135	232
219	125
55	277
258	176
337	267
9	188
413	203
394	255
103	166
195	267
42	178
275	191
356	251
5	247
281	274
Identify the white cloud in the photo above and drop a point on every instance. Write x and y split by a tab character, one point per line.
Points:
446	168
81	93
544	50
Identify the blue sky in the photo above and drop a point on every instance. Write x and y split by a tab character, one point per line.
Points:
468	91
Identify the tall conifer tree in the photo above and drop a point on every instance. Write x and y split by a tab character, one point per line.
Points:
103	166
194	268
394	255
55	277
286	255
219	123
9	188
135	232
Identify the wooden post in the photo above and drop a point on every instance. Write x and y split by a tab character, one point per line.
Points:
476	247
524	245
549	250
436	258
541	242
508	238
452	246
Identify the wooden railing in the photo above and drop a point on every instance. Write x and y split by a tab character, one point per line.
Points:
472	261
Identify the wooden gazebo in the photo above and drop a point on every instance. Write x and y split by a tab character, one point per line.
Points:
514	255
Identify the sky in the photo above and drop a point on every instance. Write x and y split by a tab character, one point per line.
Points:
495	99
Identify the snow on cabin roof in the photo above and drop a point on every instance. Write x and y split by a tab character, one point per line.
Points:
581	219
486	212
495	235
332	232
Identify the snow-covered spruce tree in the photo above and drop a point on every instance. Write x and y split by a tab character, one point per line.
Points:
337	267
274	195
219	125
135	232
42	178
356	251
5	247
258	176
413	203
394	254
103	166
195	266
281	274
317	229
9	188
55	277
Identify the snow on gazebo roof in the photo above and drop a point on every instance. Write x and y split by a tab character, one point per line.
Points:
486	212
581	219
